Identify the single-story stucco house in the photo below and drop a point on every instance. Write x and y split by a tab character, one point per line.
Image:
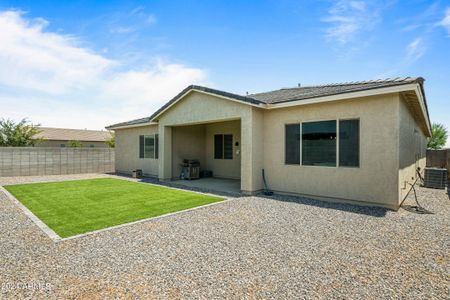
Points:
358	142
61	137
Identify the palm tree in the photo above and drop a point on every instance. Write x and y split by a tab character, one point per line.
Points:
438	137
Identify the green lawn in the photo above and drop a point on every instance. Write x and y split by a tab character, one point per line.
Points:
75	207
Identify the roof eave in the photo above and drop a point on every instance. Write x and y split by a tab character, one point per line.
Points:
413	86
115	127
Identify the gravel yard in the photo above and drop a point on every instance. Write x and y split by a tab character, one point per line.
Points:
250	247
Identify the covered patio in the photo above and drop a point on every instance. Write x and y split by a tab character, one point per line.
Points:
220	185
227	142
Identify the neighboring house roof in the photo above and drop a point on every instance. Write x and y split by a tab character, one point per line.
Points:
65	134
285	95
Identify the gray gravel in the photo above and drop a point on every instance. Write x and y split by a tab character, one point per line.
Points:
251	247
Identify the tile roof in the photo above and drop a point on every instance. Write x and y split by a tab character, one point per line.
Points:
308	92
66	134
131	123
286	94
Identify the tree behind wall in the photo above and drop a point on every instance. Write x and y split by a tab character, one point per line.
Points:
18	134
111	142
438	138
75	144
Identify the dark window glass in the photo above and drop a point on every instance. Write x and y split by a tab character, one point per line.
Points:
156	146
149	151
292	144
227	146
218	146
349	143
319	143
141	146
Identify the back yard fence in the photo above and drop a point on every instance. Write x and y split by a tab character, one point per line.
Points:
439	159
30	161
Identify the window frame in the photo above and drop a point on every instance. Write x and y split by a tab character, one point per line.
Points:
222	135
155	151
337	142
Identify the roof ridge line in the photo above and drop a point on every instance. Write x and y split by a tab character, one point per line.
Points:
399	79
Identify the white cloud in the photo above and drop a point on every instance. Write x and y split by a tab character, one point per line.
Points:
446	21
33	59
415	50
51	79
123	29
150	20
350	18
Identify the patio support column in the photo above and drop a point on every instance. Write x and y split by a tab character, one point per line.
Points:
165	153
252	147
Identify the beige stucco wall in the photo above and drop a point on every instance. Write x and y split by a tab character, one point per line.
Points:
224	168
127	151
375	181
387	146
412	148
54	143
200	108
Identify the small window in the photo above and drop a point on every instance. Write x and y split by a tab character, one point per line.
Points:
148	146
349	143
62	145
223	146
92	145
319	143
292	144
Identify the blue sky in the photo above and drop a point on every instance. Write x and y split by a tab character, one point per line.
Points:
92	63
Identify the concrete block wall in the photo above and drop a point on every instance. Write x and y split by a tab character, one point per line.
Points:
29	161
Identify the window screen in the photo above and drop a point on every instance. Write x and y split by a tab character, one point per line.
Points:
292	144
349	143
227	146
319	143
149	146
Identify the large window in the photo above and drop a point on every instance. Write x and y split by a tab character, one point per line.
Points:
292	144
148	146
223	146
349	143
319	143
316	143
